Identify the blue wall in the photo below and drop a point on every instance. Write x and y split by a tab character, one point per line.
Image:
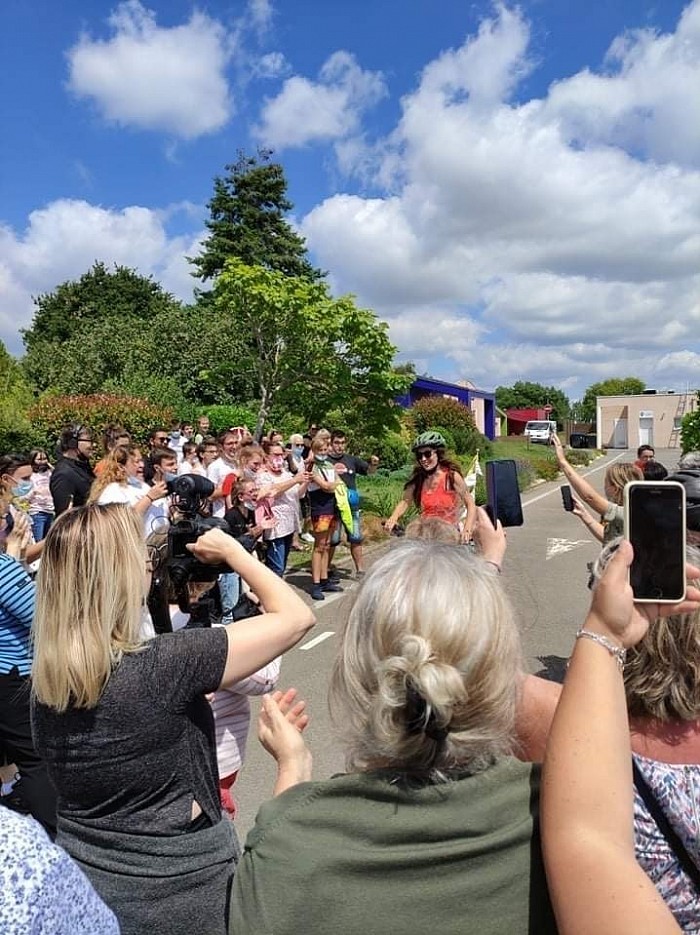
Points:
427	386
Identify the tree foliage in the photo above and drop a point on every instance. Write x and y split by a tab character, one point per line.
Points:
15	399
615	386
304	347
247	219
690	430
526	395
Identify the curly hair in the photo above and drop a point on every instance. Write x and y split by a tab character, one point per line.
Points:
114	470
662	673
429	623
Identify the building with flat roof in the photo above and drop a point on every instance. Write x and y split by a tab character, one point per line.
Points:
651	418
481	402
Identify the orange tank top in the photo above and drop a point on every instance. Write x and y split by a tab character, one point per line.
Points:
441	502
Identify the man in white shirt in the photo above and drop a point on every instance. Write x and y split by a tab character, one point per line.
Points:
224	465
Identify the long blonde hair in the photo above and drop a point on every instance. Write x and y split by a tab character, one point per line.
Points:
90	591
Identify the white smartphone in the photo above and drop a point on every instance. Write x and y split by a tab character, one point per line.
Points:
655	525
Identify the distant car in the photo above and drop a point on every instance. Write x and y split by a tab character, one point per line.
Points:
540	432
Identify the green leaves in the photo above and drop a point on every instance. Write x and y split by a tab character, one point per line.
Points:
306	349
526	395
615	386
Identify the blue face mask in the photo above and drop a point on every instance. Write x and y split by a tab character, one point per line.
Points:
134	481
169	476
321	459
298	450
22	488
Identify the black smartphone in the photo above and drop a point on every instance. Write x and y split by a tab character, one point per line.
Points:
655	525
566	498
503	493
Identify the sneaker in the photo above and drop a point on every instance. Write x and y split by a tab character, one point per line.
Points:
307	537
333	575
317	593
329	585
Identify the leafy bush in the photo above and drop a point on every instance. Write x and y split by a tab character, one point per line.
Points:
440	413
690	431
138	416
392	450
526	473
446	434
546	468
582	456
225	417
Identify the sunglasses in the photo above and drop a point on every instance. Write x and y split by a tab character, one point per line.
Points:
424	453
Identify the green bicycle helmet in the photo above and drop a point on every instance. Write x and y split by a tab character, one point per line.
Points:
429	440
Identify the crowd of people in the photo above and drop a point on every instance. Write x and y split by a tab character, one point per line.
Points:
130	646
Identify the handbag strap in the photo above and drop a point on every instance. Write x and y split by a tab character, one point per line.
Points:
664	825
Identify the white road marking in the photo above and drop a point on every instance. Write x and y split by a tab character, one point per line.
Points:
318	639
592	471
560	546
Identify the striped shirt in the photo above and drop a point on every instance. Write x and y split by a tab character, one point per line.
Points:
16	612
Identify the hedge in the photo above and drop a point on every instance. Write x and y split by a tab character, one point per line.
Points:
138	416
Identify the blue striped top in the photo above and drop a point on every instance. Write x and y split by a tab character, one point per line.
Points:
16	612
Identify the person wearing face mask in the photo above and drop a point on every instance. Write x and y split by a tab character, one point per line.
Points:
164	461
15	475
72	477
121	481
33	791
436	488
284	490
41	509
296	452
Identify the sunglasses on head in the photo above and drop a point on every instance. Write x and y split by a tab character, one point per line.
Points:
424	453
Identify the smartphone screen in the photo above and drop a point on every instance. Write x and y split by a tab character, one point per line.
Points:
503	493
655	525
566	498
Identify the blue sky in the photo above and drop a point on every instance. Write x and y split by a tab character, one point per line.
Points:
515	189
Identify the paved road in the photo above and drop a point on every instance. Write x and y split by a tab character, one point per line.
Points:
545	575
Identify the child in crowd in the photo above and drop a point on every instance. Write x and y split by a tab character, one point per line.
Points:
231	709
41	509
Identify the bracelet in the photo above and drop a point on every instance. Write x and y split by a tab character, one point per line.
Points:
487	561
618	652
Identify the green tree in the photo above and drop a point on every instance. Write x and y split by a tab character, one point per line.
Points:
247	219
526	395
304	347
615	386
85	332
15	399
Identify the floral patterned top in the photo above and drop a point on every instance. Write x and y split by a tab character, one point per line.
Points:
676	787
41	888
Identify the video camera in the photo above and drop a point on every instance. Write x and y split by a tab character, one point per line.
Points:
189	495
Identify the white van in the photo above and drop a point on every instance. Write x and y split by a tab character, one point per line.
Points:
540	431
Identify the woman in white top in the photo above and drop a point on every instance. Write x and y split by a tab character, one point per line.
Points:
121	481
284	490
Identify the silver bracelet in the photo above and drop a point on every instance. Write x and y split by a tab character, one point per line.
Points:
618	652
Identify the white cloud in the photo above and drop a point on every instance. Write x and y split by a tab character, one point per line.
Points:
569	256
329	109
272	65
645	100
260	14
64	239
171	79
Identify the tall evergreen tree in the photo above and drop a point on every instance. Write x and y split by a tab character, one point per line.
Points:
247	220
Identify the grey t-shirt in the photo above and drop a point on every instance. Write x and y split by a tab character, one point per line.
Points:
135	762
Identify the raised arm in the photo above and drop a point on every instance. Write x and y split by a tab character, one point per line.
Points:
255	642
595	882
585	491
592	525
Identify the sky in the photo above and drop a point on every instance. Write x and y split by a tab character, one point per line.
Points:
515	189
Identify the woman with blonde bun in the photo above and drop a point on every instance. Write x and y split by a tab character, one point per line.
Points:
434	826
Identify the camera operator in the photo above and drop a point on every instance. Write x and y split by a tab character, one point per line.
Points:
139	804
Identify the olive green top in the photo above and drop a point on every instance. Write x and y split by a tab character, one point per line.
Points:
360	854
